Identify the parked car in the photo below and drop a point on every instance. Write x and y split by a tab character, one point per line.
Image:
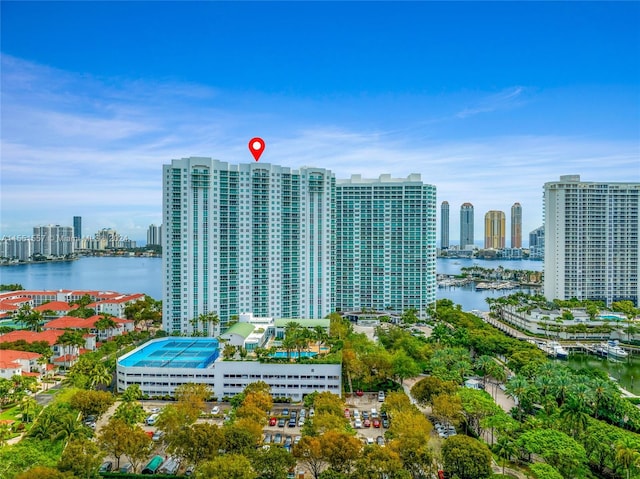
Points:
374	413
215	410
376	423
281	422
366	423
126	468
292	422
370	441
365	415
294	414
380	441
312	412
106	466
357	424
277	439
301	422
285	412
157	435
347	413
297	439
273	421
267	439
380	396
385	423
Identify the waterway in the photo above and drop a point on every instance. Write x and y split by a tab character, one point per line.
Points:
625	372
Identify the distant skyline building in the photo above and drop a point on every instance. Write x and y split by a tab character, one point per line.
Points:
291	243
154	235
53	240
516	226
494	229
16	248
592	244
536	244
444	225
466	226
77	227
385	243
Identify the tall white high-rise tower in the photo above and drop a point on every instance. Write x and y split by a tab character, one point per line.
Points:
591	238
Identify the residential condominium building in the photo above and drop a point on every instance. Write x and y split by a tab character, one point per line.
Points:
154	235
385	243
494	230
516	226
253	238
444	225
52	240
536	244
284	243
591	240
466	226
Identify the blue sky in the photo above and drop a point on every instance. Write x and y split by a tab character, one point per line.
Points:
487	101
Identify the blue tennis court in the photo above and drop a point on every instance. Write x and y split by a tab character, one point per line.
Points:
175	353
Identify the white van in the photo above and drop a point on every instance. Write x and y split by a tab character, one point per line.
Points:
380	396
151	420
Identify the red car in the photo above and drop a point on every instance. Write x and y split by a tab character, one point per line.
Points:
273	421
366	423
347	413
376	423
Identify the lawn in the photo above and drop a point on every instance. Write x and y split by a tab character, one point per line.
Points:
12	414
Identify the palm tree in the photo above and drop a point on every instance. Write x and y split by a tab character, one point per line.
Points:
483	364
70	339
627	454
105	323
320	335
505	448
574	416
28	408
29	317
99	374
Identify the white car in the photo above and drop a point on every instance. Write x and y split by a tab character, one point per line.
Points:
215	410
357	424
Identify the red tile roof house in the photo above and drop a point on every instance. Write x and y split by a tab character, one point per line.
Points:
69	322
19	363
58	308
51	337
115	305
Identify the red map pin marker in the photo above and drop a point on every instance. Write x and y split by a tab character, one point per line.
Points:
256	147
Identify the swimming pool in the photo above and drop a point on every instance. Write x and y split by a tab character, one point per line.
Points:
174	353
611	317
293	354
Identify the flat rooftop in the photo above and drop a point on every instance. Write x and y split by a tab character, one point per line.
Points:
173	353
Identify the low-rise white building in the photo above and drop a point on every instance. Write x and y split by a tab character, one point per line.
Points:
161	365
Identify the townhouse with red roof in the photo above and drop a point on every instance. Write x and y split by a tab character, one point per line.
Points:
62	354
122	326
20	363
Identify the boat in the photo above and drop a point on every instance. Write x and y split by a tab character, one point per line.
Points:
614	350
556	350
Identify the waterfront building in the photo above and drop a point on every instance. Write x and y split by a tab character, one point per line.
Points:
536	244
77	227
16	248
385	252
53	240
161	365
246	238
154	235
592	240
466	226
516	226
494	230
444	225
